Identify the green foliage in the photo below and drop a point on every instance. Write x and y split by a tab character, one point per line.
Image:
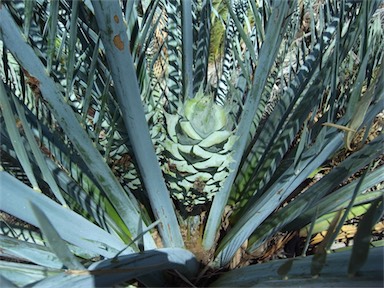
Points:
125	161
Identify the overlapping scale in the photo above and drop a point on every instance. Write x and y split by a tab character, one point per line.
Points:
197	149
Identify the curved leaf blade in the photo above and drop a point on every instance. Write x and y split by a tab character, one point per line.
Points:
115	40
360	249
62	111
54	240
264	275
38	254
112	272
266	58
86	235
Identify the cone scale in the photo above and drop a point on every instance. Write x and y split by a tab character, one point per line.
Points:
197	150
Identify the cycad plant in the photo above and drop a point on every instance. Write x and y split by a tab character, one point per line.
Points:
134	152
